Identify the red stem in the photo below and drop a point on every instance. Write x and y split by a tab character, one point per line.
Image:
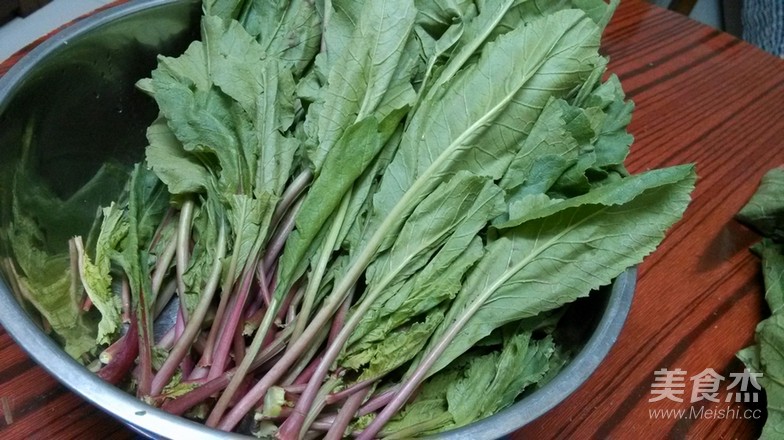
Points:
125	297
122	355
87	304
350	391
340	319
192	398
307	373
187	365
145	349
379	401
239	344
293	425
206	357
264	288
187	401
346	413
221	355
179	324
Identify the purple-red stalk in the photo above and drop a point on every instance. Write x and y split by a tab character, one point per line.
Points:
295	388
223	338
145	349
187	365
307	373
209	348
199	374
339	320
345	415
412	383
188	400
87	304
294	351
347	392
239	344
278	240
255	319
121	355
168	338
264	288
125	300
285	304
179	324
378	402
192	398
223	347
291	428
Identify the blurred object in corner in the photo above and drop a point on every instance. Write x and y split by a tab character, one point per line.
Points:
27	7
763	24
682	6
12	8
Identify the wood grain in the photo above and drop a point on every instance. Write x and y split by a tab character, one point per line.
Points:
702	96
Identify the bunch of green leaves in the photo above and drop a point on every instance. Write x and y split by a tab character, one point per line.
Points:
41	259
435	181
765	213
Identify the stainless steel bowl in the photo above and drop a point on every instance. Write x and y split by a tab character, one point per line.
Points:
79	88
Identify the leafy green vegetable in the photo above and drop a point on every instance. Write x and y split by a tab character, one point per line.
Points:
475	386
365	198
765	210
96	277
584	239
764	213
45	267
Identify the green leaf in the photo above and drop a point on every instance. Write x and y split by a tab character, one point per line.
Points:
437	15
96	277
179	170
438	282
361	80
448	133
49	282
772	255
365	186
246	218
44	269
548	150
473	35
427	413
274	401
225	9
765	210
344	164
450	219
287	31
398	347
147	201
211	126
616	193
474	386
520	274
466	198
492	382
340	23
57	302
206	226
770	340
61	219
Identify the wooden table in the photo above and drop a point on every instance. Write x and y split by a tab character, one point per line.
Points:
702	96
